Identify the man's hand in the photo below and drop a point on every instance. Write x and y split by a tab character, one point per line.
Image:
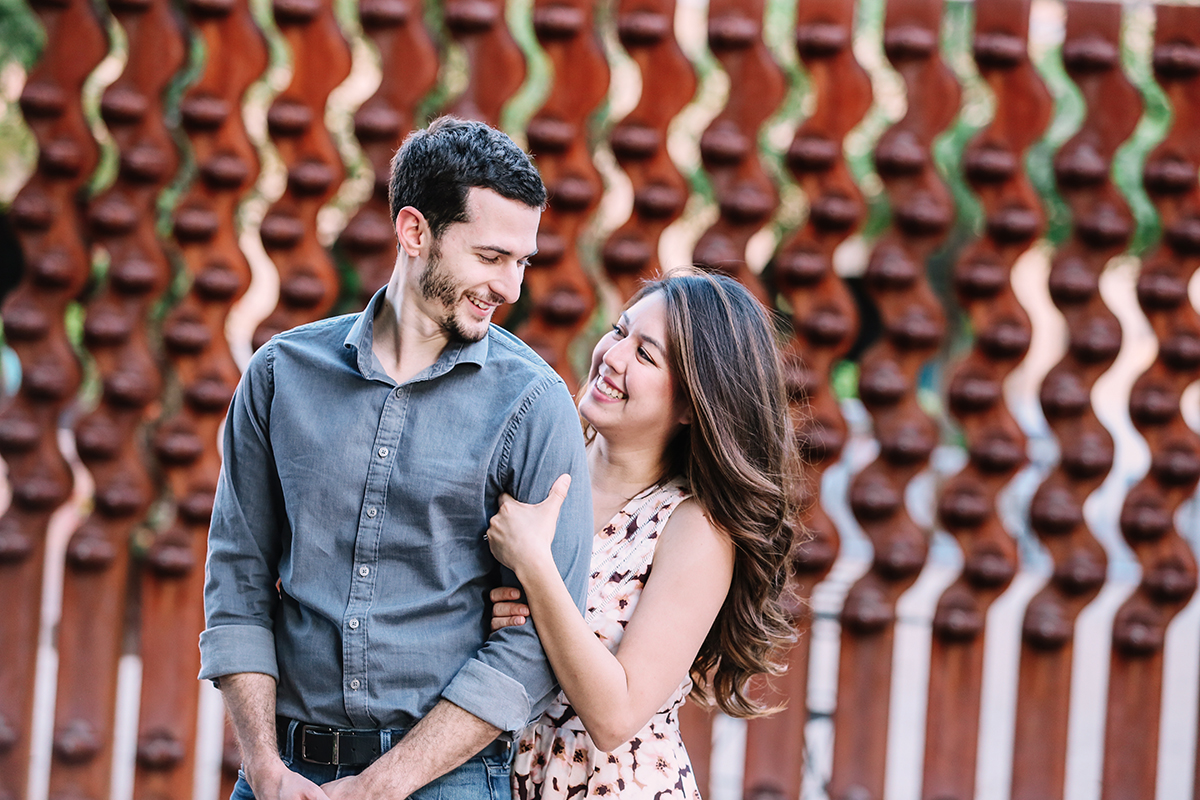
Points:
347	788
277	782
250	699
441	741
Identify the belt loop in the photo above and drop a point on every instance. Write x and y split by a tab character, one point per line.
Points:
289	754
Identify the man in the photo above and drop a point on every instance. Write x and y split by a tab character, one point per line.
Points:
364	456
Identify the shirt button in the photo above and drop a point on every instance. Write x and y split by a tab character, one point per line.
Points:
354	683
399	391
383	451
364	571
353	624
372	511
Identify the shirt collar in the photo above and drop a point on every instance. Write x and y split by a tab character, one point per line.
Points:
362	335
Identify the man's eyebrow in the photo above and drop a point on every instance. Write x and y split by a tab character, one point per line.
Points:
504	251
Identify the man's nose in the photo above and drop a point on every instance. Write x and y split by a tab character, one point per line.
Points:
508	284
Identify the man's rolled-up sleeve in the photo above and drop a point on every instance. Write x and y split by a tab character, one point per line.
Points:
244	537
509	681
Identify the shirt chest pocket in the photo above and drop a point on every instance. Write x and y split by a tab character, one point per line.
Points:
442	495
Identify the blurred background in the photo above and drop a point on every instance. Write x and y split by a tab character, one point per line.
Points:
978	224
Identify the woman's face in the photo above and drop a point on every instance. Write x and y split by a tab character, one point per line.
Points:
631	391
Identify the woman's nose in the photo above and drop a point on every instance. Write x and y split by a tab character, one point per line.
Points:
615	357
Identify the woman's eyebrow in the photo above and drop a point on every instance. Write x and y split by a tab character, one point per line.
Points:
657	344
624	320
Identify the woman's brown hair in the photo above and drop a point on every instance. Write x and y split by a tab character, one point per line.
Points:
739	462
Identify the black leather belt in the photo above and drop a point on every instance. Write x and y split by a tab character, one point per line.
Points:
318	744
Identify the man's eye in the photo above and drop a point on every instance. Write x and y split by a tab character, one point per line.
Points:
489	259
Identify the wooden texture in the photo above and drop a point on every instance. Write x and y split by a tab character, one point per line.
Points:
126	359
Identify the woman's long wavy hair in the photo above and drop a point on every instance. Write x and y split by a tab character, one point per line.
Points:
739	461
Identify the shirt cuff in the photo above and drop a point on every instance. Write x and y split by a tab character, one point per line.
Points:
489	694
230	649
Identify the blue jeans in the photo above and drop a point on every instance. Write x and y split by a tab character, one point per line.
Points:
483	777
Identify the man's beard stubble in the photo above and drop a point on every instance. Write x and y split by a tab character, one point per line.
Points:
437	287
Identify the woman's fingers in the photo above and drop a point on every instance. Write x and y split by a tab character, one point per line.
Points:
505	611
502	593
504	622
510	610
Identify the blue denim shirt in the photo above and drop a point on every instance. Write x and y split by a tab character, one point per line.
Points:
368	502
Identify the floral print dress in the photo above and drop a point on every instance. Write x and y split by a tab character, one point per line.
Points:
555	757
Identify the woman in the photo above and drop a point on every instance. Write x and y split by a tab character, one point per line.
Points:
691	462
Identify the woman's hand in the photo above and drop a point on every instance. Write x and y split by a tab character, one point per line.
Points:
506	607
520	534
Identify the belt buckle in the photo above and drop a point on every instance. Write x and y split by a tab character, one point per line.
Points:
334	732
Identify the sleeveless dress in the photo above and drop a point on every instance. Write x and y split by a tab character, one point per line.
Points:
555	757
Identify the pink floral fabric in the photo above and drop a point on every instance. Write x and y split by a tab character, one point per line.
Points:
555	757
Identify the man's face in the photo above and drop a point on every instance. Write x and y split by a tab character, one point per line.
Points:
476	266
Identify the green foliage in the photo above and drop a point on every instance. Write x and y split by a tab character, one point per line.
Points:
844	380
21	37
860	142
1130	159
21	42
539	71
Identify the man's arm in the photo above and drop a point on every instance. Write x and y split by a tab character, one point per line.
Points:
509	681
250	699
444	738
244	543
237	647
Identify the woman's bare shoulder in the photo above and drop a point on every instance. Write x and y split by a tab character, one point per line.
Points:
690	529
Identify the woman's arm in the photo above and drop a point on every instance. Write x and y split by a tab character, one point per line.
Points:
615	695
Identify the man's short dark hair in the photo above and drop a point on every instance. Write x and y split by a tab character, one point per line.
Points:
436	167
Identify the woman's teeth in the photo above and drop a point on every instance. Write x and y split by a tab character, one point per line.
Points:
608	391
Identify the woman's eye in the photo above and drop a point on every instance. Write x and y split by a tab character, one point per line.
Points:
644	353
616	329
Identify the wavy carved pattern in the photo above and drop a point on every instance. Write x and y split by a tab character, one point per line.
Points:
308	282
205	234
124	301
1147	519
913	326
1101	229
495	64
639	141
995	445
46	215
824	324
408	65
746	198
110	438
562	297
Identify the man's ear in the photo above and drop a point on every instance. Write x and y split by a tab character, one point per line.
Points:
412	231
